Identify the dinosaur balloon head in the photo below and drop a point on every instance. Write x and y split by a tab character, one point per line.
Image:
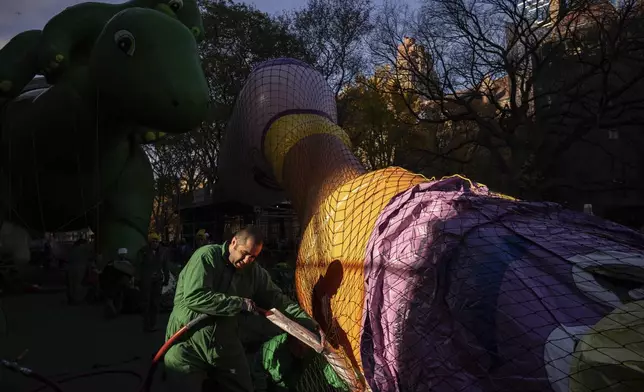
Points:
275	88
146	65
187	11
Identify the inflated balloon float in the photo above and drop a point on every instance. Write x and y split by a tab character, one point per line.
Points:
69	37
70	154
424	285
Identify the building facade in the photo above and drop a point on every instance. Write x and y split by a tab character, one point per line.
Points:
594	113
205	209
534	11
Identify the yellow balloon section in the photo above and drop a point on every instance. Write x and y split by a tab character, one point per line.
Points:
339	229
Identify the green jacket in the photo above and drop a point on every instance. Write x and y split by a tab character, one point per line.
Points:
209	284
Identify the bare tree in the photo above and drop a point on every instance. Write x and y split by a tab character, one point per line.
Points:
238	37
535	84
166	167
335	32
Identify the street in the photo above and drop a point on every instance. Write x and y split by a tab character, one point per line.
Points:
63	341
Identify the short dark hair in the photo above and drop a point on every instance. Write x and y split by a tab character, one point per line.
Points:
250	233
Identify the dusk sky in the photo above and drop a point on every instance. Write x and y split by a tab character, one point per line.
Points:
21	15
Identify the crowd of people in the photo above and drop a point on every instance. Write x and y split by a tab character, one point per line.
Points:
130	283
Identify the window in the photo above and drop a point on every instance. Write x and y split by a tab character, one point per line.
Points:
613	134
534	10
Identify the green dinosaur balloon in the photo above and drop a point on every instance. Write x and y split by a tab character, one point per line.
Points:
69	36
70	155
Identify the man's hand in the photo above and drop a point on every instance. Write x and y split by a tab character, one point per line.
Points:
249	306
322	338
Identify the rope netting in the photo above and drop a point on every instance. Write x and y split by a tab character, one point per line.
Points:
432	285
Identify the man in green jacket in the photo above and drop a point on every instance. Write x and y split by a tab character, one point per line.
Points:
221	281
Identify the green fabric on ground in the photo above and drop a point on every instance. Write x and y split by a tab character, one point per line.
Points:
289	372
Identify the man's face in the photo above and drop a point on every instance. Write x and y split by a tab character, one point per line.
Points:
154	243
241	255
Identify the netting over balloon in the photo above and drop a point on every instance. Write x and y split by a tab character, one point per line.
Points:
434	285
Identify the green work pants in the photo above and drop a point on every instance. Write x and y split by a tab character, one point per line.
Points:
229	372
150	302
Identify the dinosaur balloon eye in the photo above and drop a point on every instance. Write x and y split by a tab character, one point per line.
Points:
125	41
175	5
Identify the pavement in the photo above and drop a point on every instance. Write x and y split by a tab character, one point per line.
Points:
60	341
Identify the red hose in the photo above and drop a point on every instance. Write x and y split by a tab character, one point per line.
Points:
166	346
147	383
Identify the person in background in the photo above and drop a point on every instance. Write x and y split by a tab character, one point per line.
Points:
221	281
116	278
77	271
152	273
185	251
202	238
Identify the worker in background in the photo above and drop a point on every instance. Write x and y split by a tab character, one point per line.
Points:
184	252
152	272
116	278
77	271
221	281
202	238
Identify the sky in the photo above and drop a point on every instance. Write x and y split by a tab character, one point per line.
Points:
20	15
